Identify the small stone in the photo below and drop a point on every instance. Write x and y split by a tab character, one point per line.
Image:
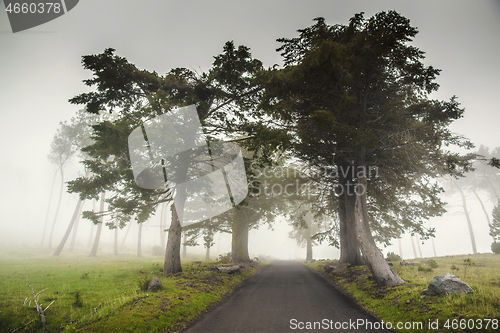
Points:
154	284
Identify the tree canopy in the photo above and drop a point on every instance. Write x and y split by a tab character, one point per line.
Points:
357	95
351	104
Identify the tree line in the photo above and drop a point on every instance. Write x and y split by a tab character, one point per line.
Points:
348	98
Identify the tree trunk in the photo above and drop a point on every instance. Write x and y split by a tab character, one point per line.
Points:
469	223
75	227
93	251
239	243
162	225
432	242
493	188
139	238
482	206
172	263
115	248
400	248
208	238
418	246
309	248
58	207
70	226
48	209
207	253
413	247
126	234
184	246
349	244
381	271
92	226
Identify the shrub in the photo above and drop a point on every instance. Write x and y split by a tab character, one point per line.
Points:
391	256
424	268
495	247
432	263
78	300
224	258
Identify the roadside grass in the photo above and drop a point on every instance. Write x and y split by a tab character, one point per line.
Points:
103	294
405	304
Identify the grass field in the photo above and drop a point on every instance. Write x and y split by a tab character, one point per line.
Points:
103	294
405	304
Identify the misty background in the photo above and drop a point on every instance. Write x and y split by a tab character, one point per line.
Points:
40	69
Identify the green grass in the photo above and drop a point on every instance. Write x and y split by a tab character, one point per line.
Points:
405	303
103	294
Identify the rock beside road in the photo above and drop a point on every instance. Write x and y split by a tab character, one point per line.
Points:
447	284
235	269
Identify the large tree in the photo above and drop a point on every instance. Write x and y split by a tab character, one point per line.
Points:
222	96
354	96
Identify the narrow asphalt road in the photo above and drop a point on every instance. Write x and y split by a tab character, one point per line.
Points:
285	297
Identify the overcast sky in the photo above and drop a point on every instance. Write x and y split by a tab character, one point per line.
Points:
40	69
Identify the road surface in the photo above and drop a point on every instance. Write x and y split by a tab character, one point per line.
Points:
285	297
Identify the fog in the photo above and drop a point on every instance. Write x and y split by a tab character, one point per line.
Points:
40	69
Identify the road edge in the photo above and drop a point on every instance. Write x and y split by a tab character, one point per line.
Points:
346	296
225	298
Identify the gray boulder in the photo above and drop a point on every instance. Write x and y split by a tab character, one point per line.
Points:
447	284
154	284
409	263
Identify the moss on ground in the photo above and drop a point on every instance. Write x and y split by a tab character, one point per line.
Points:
405	304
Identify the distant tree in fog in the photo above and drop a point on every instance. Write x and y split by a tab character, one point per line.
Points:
61	152
495	225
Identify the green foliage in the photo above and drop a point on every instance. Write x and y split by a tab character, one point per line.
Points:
424	268
494	162
85	276
391	256
495	224
432	263
224	258
78	303
468	262
109	301
362	90
495	247
143	282
223	96
405	303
